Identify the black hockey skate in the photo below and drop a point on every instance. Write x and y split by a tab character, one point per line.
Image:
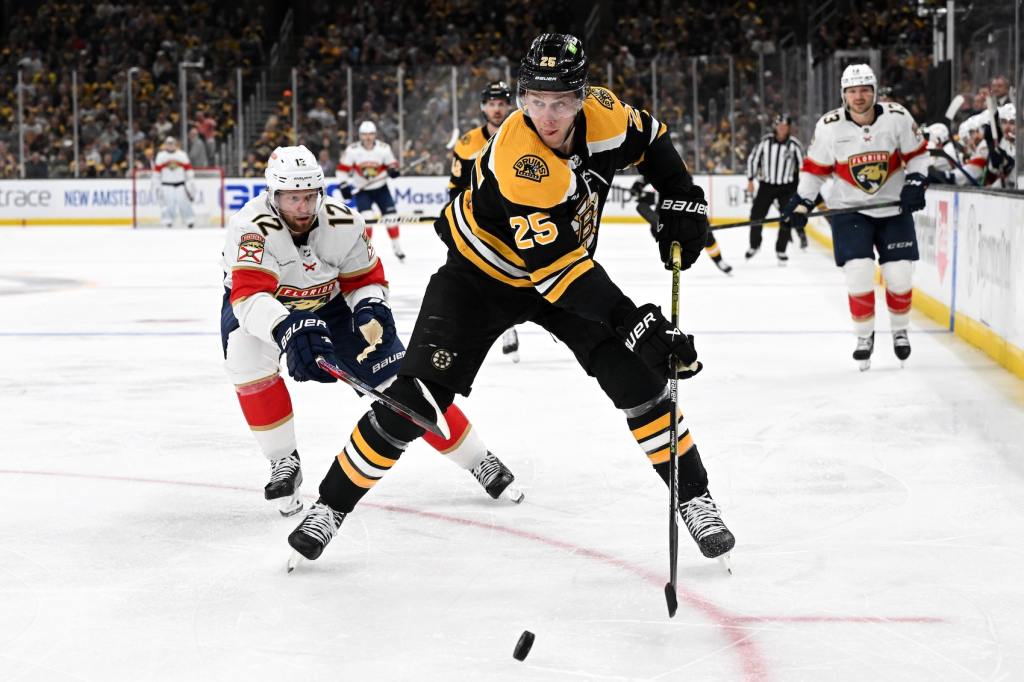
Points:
783	258
510	343
285	479
703	519
901	345
862	354
312	535
751	252
496	479
803	238
723	266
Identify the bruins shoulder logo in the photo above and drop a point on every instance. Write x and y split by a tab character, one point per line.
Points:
603	97
465	138
531	167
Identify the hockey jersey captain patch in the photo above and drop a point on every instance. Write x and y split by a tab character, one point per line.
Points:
870	170
250	248
531	167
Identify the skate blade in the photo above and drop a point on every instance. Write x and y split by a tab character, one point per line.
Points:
294	560
512	494
290	506
864	365
726	561
514	355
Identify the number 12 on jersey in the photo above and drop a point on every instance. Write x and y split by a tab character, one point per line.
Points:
543	230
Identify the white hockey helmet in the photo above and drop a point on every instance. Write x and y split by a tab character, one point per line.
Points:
293	168
170	141
938	134
1008	112
855	75
367	127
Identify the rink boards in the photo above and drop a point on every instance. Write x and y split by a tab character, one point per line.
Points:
970	277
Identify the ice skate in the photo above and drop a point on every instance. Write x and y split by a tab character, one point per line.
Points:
901	345
312	535
397	248
803	238
865	346
703	519
496	479
285	479
723	266
783	258
510	344
751	252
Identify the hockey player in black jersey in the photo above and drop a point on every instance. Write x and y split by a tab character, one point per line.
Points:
521	241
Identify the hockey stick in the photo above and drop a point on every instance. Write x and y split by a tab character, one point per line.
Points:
402	218
815	214
419	420
943	153
673	446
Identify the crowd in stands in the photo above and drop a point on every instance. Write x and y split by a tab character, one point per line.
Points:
100	42
393	48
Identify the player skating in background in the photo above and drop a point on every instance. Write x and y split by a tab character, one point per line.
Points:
495	105
878	155
301	279
646	201
174	182
363	172
521	242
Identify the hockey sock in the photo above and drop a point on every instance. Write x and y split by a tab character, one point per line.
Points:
860	283
368	456
369	231
393	231
464	447
899	291
714	251
651	431
267	407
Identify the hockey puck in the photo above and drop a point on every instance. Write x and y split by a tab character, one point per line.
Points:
523	646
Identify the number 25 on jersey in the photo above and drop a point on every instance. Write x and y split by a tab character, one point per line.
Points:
533	229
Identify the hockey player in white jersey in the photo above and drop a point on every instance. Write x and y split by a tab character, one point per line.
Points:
302	280
363	171
992	162
174	183
877	154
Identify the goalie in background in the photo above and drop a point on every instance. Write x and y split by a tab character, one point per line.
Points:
174	182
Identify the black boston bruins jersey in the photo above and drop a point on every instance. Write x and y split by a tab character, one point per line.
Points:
466	150
530	216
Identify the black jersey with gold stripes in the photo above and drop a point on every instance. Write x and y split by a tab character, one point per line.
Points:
530	216
465	152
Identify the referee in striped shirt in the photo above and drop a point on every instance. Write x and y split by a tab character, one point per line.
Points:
775	162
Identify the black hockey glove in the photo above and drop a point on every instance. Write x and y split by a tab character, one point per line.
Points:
999	162
796	210
647	333
346	191
393	172
636	189
912	194
303	336
682	218
372	319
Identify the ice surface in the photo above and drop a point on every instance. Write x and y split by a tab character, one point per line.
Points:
878	516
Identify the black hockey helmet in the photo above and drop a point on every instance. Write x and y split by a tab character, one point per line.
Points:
496	90
555	62
782	118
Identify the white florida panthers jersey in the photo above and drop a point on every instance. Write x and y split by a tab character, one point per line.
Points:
172	167
270	273
366	168
869	162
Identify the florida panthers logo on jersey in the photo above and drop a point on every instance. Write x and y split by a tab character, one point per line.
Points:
250	248
870	170
369	170
307	299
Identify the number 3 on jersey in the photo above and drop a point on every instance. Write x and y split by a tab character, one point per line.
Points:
544	231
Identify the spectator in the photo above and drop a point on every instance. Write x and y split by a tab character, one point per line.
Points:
36	167
197	150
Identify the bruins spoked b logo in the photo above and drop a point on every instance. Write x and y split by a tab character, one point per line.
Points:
441	359
531	167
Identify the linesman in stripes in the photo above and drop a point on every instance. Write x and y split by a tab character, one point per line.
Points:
775	163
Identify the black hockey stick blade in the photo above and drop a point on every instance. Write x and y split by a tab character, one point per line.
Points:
671	600
814	214
397	407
